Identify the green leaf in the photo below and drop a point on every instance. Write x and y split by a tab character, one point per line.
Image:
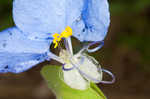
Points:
62	91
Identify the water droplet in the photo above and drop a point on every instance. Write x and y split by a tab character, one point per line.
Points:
4	45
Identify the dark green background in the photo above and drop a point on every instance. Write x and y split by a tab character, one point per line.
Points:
125	53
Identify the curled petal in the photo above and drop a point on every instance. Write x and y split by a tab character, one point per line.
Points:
67	69
101	43
109	73
89	69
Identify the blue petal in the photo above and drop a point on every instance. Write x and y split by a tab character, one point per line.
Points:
88	18
13	40
19	62
94	21
39	16
45	16
17	53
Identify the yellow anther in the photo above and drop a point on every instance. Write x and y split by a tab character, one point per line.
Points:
56	44
55	35
65	34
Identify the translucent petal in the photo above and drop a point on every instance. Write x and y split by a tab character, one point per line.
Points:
45	16
74	79
89	68
94	21
17	53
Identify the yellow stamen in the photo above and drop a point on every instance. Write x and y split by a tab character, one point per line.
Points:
65	34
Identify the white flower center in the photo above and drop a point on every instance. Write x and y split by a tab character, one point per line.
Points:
80	69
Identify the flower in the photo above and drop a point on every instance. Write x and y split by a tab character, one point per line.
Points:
80	69
36	22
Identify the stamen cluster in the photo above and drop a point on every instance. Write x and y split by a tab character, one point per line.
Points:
65	34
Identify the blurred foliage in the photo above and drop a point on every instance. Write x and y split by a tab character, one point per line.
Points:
5	14
133	18
122	6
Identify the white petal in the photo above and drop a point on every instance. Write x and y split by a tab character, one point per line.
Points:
89	68
74	79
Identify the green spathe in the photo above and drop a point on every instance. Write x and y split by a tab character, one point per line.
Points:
62	91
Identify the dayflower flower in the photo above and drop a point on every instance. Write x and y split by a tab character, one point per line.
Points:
39	23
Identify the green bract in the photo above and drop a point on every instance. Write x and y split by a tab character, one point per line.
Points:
62	91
